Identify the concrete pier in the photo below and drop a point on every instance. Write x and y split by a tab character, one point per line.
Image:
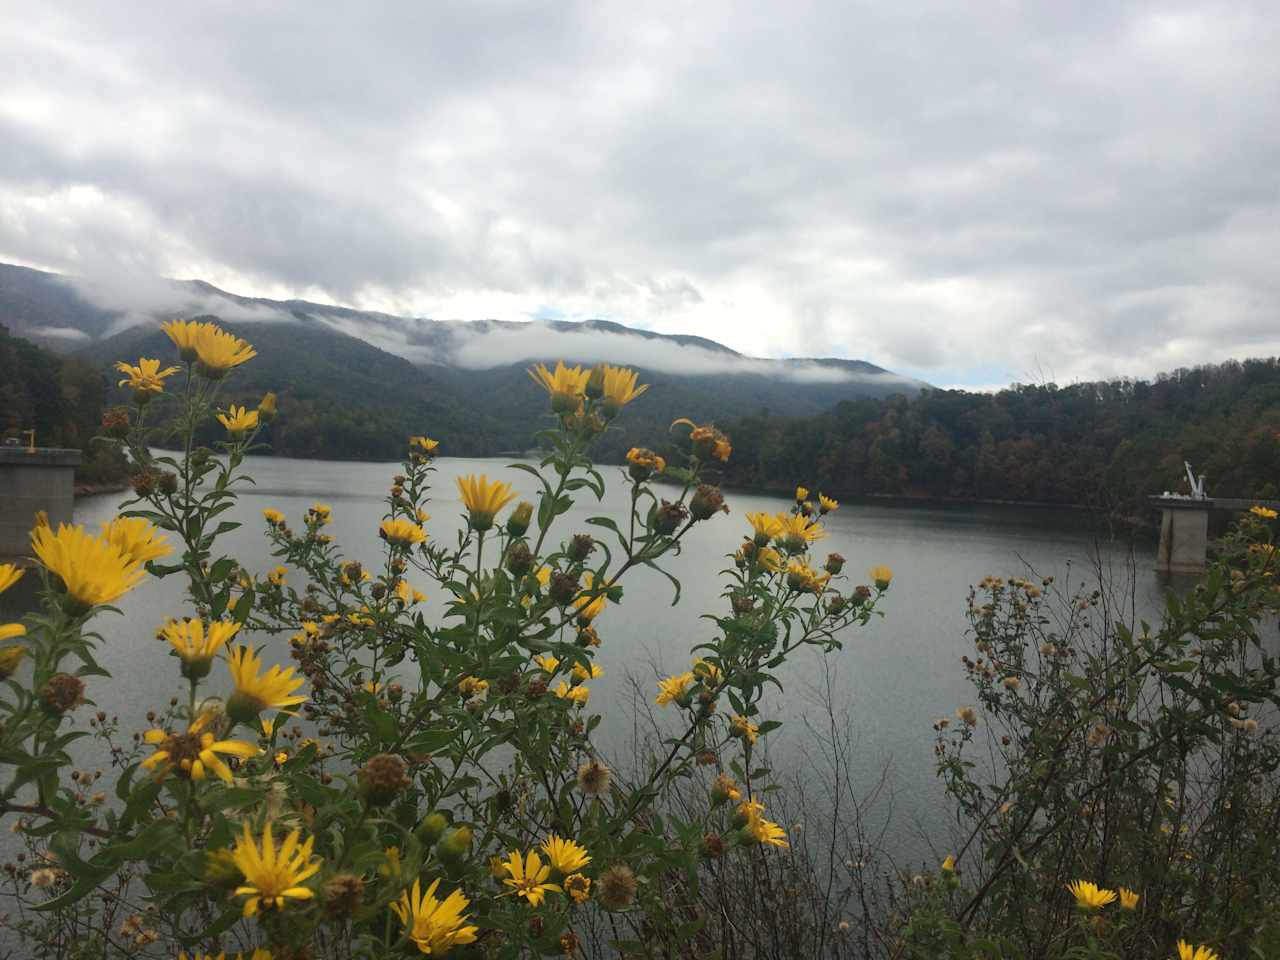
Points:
33	480
1184	533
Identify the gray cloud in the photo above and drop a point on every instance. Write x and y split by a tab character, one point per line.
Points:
945	189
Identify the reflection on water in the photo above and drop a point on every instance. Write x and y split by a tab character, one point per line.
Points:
896	676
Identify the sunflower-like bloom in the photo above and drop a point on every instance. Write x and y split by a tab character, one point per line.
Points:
672	689
619	389
407	594
146	379
184	334
766	526
881	576
802	494
770	559
273	516
582	674
578	887
1263	513
423	446
401	533
9	575
547	662
483	498
949	864
527	877
1089	896
273	875
93	569
219	351
1128	899
197	643
239	420
435	926
744	729
565	856
193	754
256	691
589	607
826	504
797	532
566	386
757	828
1187	952
137	538
804	579
708	442
575	694
10	630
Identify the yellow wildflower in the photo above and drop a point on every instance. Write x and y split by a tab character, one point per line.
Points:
767	526
706	671
273	516
566	386
267	407
423	445
1128	899
319	514
9	575
757	828
527	877
256	691
673	689
803	578
238	420
743	728
578	887
401	533
11	656
10	630
197	643
797	532
547	662
1090	896
219	351
435	926
483	498
769	559
277	576
582	674
1263	513
620	389
137	538
881	576
579	694
565	856
644	462
146	378
473	686
826	504
184	334
1187	952
589	607
192	754
93	569
273	875
802	494
949	864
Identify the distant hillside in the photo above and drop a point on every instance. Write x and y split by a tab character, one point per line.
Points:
354	383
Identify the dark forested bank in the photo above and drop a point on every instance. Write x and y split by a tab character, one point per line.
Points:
62	399
1106	445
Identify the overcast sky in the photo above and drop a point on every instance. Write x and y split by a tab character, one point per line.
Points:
970	193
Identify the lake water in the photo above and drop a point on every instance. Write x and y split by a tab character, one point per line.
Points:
895	676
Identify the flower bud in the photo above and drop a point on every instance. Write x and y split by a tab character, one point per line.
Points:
455	844
432	828
115	422
617	886
563	588
62	692
834	564
706	502
580	547
267	408
342	895
382	779
519	518
168	483
668	518
712	845
861	594
10	657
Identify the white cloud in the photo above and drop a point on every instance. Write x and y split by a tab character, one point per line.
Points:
928	186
